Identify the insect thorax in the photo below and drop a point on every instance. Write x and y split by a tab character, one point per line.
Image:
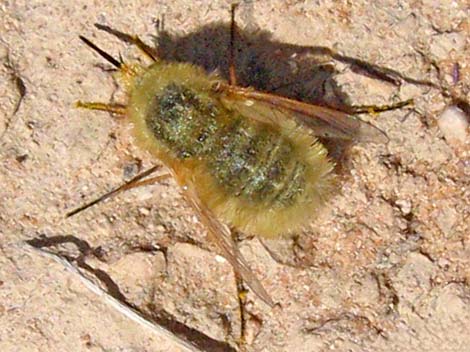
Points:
247	159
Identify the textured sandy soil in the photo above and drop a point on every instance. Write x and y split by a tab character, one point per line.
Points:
386	267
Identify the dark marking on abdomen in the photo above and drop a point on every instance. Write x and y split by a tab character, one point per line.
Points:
254	161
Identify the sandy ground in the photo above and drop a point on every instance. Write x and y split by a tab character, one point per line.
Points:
386	267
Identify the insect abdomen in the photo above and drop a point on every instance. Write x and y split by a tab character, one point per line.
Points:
254	162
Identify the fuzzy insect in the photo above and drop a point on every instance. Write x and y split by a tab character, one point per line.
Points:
243	158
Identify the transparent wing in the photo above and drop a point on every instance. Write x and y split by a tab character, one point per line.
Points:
323	121
221	235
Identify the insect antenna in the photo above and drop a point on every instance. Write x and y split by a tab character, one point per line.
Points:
133	183
102	53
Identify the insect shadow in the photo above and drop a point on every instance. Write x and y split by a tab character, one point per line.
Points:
260	61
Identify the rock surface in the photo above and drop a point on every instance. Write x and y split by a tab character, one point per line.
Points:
384	268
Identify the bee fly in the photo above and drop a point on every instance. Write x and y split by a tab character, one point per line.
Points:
244	159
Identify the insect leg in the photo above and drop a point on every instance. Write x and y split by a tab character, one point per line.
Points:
113	108
150	52
133	183
233	30
242	292
126	69
242	304
372	109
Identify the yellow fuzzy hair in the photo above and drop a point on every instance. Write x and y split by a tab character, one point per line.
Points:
254	218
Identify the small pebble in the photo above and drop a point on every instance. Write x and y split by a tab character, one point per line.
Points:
220	259
144	211
454	125
404	205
